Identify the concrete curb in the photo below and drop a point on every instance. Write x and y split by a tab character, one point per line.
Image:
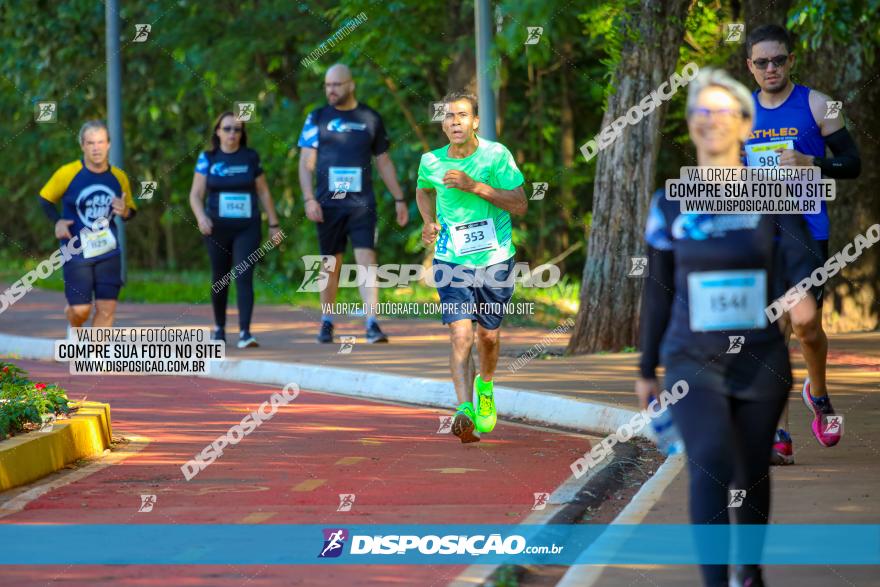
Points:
33	455
532	406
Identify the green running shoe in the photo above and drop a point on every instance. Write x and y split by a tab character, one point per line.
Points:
463	423
486	414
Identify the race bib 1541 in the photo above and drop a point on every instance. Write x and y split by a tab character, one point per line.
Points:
727	300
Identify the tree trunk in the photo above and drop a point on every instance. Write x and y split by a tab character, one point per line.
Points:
170	252
609	306
462	73
567	147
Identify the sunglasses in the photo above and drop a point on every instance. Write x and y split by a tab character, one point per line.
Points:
235	129
778	61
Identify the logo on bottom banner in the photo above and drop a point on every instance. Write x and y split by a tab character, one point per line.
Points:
334	542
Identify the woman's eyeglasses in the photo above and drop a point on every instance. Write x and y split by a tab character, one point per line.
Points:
778	61
721	113
230	129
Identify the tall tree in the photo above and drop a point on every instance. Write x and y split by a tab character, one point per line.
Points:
608	313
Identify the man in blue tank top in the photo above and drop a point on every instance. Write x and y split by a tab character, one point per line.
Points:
796	125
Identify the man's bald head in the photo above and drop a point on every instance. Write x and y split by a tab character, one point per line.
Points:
338	85
338	72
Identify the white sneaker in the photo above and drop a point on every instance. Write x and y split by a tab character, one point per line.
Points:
247	340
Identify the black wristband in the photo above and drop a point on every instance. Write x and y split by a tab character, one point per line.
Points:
399	201
274	225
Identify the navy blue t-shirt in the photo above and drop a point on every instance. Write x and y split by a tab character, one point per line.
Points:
701	270
231	179
346	141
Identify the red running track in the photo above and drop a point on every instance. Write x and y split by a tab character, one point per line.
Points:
290	470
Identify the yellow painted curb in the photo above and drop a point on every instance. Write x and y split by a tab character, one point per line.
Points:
30	456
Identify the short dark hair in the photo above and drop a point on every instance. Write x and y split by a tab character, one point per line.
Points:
457	95
769	32
215	140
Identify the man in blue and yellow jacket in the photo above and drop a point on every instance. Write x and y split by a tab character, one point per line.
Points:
91	192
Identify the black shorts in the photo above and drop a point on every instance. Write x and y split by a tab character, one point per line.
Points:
782	285
462	299
83	278
340	224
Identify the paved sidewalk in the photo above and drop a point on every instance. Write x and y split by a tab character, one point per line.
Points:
837	485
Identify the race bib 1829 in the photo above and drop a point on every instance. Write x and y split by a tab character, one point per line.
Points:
97	242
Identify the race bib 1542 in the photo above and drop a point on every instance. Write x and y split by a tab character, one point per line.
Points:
235	205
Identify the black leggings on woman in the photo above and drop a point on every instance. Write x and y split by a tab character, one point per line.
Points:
727	421
229	246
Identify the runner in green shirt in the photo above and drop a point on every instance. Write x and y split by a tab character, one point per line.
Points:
467	191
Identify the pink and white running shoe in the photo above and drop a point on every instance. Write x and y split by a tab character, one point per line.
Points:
827	426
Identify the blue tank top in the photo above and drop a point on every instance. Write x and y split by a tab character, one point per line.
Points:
792	122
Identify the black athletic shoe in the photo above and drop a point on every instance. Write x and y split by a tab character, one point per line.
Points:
375	334
218	334
325	335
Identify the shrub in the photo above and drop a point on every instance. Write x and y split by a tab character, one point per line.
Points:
23	402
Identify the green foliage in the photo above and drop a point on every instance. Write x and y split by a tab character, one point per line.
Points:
201	58
24	402
847	22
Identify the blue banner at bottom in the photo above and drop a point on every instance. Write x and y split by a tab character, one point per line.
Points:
280	544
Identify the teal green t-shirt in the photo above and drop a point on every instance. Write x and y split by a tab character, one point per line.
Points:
473	231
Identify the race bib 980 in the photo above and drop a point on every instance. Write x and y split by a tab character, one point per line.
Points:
764	154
